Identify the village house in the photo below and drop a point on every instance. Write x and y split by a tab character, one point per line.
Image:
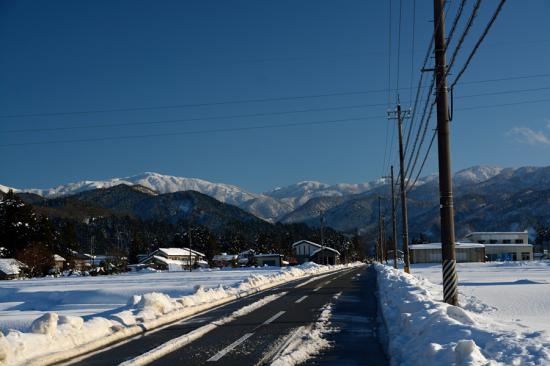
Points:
58	262
224	260
272	260
308	251
173	259
11	268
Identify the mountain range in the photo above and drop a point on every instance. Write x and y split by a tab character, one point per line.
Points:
486	198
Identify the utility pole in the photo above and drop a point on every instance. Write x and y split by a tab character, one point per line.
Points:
190	242
393	221
383	243
399	115
379	246
450	278
322	219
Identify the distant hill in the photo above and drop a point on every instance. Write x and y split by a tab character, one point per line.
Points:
480	192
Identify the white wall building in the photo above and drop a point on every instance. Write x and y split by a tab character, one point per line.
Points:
504	246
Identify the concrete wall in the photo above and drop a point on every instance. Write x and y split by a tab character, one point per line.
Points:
434	255
509	252
499	237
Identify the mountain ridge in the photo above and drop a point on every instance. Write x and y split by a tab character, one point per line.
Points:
273	205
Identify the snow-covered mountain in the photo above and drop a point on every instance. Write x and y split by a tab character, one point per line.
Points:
158	182
299	193
291	202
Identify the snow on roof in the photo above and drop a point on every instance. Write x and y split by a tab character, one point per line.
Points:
11	266
179	251
325	248
509	245
306	241
497	233
225	257
58	258
438	246
269	255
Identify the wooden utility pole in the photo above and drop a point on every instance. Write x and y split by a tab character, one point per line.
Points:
322	219
190	242
399	115
393	221
379	246
450	278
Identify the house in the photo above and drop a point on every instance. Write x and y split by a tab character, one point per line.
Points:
308	251
246	258
504	246
173	259
82	261
58	262
273	260
431	253
11	268
224	260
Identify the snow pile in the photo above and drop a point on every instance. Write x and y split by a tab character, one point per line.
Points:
53	338
306	341
422	330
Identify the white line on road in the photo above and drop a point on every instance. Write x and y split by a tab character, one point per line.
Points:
301	299
316	289
228	349
274	317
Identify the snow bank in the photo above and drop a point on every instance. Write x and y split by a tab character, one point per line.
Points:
53	338
422	330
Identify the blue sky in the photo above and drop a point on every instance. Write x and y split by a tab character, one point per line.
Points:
74	56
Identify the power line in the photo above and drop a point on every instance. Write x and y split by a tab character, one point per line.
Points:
196	132
389	84
172	121
412	48
260	127
249	115
299	97
467	28
423	163
478	43
399	43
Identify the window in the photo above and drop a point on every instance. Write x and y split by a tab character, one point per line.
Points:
519	241
493	241
481	241
506	241
525	256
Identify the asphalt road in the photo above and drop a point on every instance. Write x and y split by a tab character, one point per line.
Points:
255	338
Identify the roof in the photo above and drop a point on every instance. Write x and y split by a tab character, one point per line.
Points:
307	242
509	245
325	248
269	255
438	246
58	258
225	257
11	266
497	232
179	251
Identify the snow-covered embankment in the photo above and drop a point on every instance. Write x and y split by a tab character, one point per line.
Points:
53	338
422	330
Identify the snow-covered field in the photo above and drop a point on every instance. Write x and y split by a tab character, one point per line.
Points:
503	318
517	292
23	301
61	318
